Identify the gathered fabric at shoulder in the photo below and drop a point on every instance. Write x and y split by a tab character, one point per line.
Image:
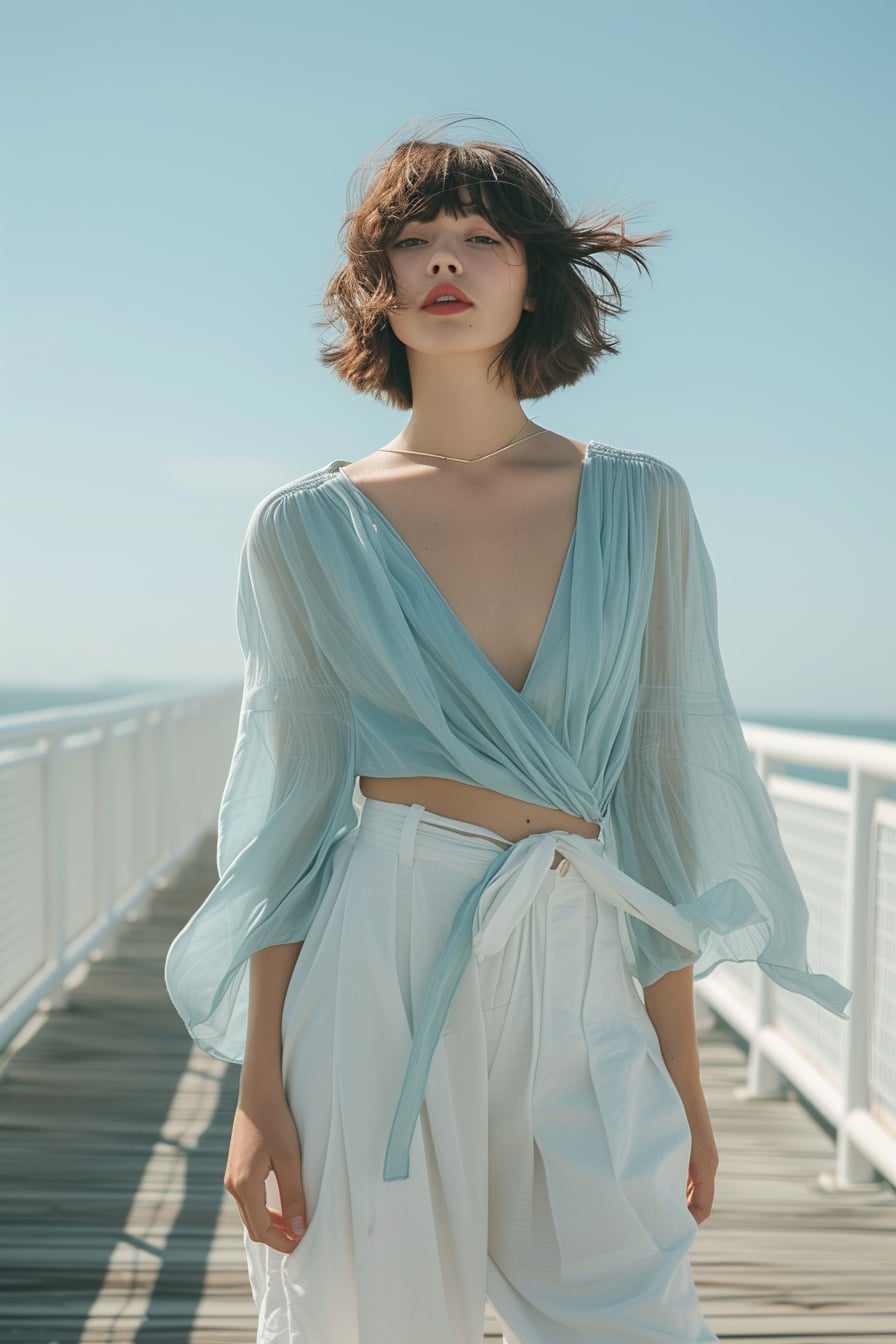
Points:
288	796
690	817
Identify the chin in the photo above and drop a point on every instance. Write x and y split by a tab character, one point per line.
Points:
455	337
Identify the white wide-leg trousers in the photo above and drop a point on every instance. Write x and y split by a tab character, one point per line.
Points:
549	1165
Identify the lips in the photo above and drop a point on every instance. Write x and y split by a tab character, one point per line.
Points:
446	291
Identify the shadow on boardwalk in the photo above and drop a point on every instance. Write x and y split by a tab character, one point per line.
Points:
116	1228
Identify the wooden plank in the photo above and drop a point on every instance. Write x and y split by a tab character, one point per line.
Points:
117	1229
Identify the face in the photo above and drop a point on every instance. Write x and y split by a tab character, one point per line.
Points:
485	272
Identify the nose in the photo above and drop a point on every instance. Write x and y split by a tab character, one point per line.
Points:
444	260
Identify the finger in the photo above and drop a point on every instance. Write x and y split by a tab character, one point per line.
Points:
270	1234
259	1219
279	1223
288	1171
277	1235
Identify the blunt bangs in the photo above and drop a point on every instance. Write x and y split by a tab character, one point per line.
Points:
435	178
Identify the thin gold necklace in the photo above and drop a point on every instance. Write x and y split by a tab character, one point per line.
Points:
406	452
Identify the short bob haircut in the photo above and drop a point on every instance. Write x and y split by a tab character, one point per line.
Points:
553	346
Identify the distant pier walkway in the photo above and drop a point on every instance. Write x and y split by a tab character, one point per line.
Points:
116	1228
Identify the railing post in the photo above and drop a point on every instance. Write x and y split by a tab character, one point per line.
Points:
149	804
145	827
166	756
852	1167
55	872
175	755
103	853
763	1078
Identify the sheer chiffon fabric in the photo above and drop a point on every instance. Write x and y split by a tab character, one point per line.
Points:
355	664
549	1167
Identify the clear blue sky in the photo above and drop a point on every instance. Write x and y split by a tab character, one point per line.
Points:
174	177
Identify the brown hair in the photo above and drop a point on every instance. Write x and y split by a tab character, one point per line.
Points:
553	346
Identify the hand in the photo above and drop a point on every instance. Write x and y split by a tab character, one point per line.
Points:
264	1139
702	1175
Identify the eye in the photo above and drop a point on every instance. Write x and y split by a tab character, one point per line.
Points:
404	244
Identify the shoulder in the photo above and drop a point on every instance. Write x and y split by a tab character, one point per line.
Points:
303	485
286	503
653	474
284	535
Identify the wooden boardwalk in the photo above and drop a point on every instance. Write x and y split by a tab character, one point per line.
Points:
116	1228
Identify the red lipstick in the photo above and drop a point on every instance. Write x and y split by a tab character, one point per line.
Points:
453	300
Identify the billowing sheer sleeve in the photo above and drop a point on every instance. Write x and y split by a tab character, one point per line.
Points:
288	796
690	817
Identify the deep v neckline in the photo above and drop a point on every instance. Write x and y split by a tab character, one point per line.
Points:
421	569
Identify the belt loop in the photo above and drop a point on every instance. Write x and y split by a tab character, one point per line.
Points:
408	832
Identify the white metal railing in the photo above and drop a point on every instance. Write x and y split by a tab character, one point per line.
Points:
842	844
97	803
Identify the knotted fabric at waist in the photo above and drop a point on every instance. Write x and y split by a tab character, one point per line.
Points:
482	925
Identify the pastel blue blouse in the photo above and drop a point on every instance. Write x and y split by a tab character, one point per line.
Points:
355	664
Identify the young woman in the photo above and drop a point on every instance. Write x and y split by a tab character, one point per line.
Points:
451	1087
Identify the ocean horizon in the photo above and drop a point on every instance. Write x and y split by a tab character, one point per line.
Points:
20	697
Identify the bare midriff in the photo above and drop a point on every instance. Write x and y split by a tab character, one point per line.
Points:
508	817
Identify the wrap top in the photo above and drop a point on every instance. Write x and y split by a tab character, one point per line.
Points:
355	664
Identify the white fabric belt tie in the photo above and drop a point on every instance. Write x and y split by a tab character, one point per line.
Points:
482	925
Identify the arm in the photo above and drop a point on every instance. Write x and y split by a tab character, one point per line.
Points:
288	798
670	1006
287	802
689	816
264	1138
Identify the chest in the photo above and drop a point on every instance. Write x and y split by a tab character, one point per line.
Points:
496	559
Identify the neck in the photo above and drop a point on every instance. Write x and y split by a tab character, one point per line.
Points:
458	411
